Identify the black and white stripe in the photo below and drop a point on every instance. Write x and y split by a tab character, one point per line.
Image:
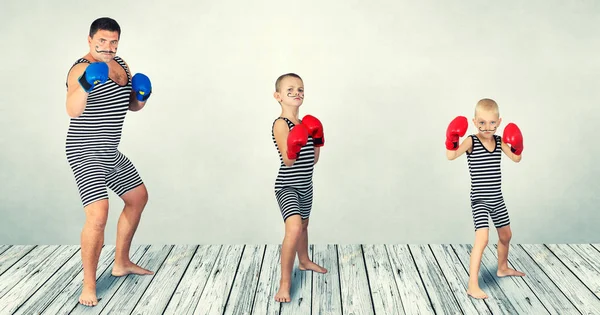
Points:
294	201
294	185
93	139
486	184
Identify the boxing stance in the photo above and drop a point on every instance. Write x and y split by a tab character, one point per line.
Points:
484	153
298	143
100	91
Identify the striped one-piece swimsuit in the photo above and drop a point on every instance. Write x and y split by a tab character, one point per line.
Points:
93	138
486	184
293	185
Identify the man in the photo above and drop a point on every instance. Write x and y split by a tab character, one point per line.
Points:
100	91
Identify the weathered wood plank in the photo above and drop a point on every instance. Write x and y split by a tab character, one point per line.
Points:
68	297
440	295
12	255
37	302
515	289
134	286
107	285
188	292
242	294
546	291
215	293
384	290
268	283
583	299
354	285
326	297
300	291
589	253
410	287
159	292
497	301
19	294
458	276
583	260
4	248
29	263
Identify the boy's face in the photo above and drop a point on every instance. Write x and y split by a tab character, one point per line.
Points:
487	123
291	92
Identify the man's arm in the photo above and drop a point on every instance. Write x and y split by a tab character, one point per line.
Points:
76	95
462	148
134	104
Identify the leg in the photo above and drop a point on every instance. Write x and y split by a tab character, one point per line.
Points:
502	223
481	241
91	184
288	203
135	201
304	261
125	181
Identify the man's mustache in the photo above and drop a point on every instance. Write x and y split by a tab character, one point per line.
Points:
105	51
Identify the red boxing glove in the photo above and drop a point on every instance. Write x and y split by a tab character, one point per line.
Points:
315	129
297	138
456	129
512	135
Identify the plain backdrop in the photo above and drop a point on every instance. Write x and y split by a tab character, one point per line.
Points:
384	77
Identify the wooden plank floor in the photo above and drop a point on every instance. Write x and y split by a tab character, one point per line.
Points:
362	279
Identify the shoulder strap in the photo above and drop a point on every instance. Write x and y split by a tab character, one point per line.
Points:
122	63
289	122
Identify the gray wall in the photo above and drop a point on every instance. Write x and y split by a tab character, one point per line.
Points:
385	78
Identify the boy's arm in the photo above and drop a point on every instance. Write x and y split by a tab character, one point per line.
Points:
512	142
317	153
506	149
462	148
281	132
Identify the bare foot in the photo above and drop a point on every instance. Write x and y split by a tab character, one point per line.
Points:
88	296
129	268
509	272
476	292
283	295
309	265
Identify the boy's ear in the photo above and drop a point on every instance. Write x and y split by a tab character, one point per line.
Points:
276	95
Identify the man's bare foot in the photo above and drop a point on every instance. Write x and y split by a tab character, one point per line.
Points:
283	295
509	272
476	292
129	268
309	265
88	296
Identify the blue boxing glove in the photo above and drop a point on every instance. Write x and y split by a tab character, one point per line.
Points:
141	86
96	73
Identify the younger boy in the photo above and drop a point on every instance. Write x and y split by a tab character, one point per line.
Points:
298	142
484	155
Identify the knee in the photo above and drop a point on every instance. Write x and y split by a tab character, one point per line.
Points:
294	230
304	226
137	200
481	237
481	242
505	237
97	221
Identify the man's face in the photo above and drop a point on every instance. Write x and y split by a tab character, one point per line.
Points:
103	46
